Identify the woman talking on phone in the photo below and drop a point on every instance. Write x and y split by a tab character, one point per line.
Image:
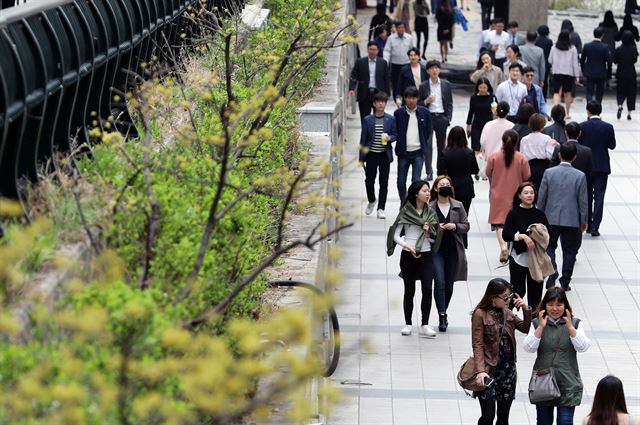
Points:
493	327
557	338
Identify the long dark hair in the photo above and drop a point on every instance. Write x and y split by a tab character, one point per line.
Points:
495	287
445	6
558	114
457	139
608	401
413	190
608	20
483	80
555	294
564	40
483	52
503	109
521	186
627	22
434	190
525	110
509	141
566	25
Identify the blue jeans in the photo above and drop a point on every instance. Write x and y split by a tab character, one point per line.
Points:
564	416
444	268
413	159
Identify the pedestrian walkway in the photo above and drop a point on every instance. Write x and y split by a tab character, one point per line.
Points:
388	379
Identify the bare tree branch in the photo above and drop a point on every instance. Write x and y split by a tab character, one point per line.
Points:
285	206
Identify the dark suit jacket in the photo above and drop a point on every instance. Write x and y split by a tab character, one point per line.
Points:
594	59
369	131
583	161
459	165
600	137
447	97
424	129
360	77
406	78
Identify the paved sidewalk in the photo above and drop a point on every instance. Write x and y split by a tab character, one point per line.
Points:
390	379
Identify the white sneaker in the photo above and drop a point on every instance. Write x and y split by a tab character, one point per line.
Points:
406	330
370	207
427	332
381	214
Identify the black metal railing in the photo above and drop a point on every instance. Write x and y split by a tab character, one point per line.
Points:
62	62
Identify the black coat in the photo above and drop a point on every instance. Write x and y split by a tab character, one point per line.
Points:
360	77
583	161
625	57
594	59
459	165
406	78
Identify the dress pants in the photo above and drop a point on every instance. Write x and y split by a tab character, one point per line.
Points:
413	159
571	239
377	161
596	187
395	77
486	14
440	124
523	283
596	84
366	105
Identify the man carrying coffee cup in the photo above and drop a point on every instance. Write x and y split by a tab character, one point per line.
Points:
376	154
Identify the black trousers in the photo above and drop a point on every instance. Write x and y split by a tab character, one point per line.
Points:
395	77
440	123
377	161
413	269
366	105
595	85
596	188
626	89
571	239
519	276
486	15
488	411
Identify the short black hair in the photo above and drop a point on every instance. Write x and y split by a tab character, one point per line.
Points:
573	130
594	107
532	35
498	21
378	96
515	65
527	69
543	30
598	32
513	24
398	23
411	91
414	50
433	63
372	43
568	151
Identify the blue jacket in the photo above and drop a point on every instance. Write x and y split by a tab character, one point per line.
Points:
424	129
600	137
540	105
594	59
369	131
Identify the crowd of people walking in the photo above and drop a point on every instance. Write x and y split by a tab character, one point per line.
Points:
547	176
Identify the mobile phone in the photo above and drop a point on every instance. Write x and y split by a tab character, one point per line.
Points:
488	381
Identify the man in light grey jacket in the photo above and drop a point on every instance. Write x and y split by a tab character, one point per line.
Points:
533	56
563	198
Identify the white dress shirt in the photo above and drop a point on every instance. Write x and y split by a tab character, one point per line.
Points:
580	342
537	145
372	73
512	93
501	40
437	106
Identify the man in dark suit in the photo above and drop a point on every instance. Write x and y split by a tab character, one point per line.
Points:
600	137
413	123
370	75
584	160
435	94
594	60
563	198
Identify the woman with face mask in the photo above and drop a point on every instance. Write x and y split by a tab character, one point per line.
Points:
450	261
556	336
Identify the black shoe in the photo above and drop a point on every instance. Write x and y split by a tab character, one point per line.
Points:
477	177
451	44
629	116
551	281
595	233
443	322
566	288
429	177
619	114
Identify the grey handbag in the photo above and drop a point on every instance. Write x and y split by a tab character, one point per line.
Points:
543	386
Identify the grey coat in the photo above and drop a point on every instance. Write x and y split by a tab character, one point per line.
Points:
458	216
563	196
533	56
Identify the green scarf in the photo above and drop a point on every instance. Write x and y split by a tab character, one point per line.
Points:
409	215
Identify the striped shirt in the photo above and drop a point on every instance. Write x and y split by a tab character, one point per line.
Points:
377	145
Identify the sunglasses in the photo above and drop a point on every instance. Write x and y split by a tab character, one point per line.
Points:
528	75
507	298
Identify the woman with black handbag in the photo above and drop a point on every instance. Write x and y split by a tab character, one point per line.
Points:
493	327
557	338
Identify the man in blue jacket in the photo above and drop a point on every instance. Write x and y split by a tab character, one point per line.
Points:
413	123
378	132
594	60
600	137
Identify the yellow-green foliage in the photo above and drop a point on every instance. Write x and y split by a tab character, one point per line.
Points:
115	343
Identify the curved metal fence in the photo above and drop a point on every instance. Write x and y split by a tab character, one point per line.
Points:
62	61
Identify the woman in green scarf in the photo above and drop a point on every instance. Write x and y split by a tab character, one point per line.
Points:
415	229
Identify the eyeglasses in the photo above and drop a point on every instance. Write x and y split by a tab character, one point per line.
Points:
507	298
528	75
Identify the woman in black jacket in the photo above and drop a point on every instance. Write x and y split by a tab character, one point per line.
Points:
610	30
480	111
459	163
522	215
627	25
625	57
